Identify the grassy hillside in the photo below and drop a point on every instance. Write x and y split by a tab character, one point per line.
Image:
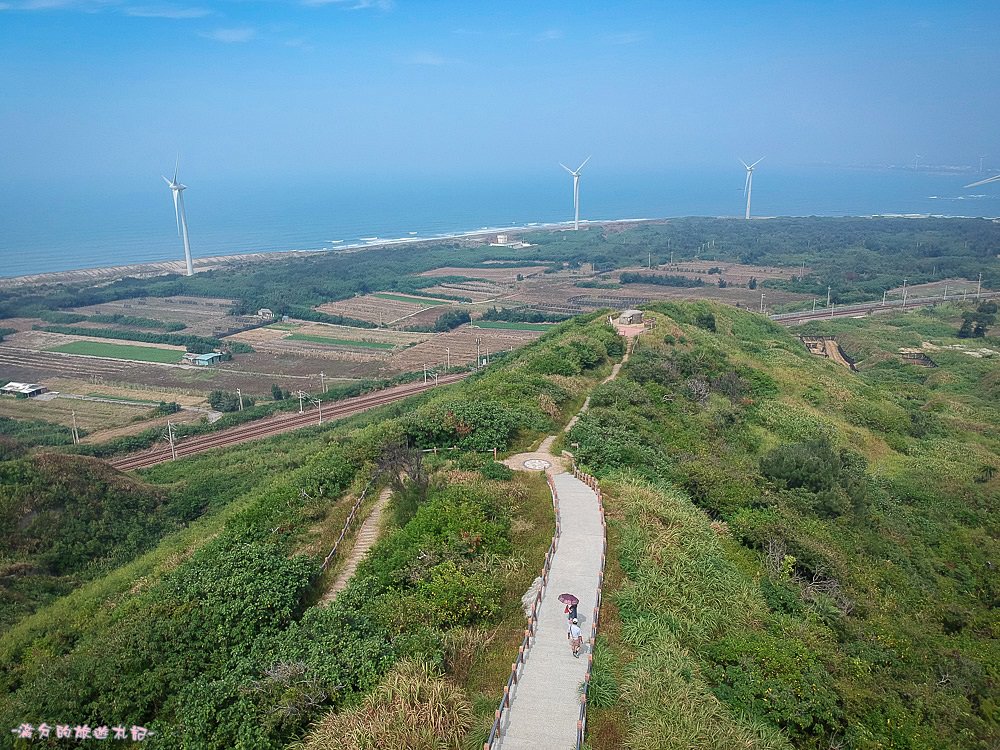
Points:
65	520
214	638
803	556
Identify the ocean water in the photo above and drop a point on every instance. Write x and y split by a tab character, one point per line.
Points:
75	225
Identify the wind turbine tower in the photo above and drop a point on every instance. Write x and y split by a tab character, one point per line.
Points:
182	225
576	191
748	187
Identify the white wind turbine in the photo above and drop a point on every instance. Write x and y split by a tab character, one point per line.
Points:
576	191
748	187
182	225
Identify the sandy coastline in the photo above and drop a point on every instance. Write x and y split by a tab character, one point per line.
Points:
147	270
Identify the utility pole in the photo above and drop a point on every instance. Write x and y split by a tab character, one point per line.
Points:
76	433
945	293
883	297
828	296
487	356
170	439
322	382
904	293
302	395
651	261
320	405
831	312
478	356
814	304
979	287
240	394
762	301
448	350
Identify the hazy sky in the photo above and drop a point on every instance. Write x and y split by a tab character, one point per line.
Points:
254	88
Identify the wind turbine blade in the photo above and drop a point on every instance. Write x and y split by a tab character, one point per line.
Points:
167	181
177	164
994	178
565	167
757	162
745	165
582	165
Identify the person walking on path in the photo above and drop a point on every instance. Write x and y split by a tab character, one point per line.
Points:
575	637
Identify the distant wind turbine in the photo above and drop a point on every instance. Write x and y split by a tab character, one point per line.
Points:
994	178
916	161
748	187
182	225
576	191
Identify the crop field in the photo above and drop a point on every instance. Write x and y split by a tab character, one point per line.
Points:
488	273
504	325
477	291
338	342
462	344
90	415
417	300
202	316
120	351
380	309
302	338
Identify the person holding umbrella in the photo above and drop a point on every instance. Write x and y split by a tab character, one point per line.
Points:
571	602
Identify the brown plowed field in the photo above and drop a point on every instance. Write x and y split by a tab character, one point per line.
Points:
490	274
462	342
202	315
375	309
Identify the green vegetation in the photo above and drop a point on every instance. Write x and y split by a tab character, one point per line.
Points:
858	257
659	279
523	315
212	638
196	344
513	326
357	343
64	521
451	319
805	553
426	302
974	324
29	433
120	351
226	401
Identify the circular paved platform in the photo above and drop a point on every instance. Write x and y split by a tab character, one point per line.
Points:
536	464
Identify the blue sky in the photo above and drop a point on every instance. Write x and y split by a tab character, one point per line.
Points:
251	89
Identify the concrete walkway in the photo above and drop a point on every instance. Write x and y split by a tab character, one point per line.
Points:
367	536
546	707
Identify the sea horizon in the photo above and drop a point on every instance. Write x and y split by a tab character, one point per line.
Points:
69	228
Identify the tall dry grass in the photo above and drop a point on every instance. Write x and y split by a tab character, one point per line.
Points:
413	708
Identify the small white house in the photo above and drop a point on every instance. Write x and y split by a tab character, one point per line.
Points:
23	390
265	313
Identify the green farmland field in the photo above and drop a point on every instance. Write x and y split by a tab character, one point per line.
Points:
512	326
412	300
120	351
339	342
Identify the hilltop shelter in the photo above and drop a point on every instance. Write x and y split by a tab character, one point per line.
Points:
630	317
23	390
203	360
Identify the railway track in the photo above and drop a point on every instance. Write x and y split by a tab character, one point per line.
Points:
865	308
275	425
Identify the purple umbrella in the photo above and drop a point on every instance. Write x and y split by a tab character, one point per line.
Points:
568	599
